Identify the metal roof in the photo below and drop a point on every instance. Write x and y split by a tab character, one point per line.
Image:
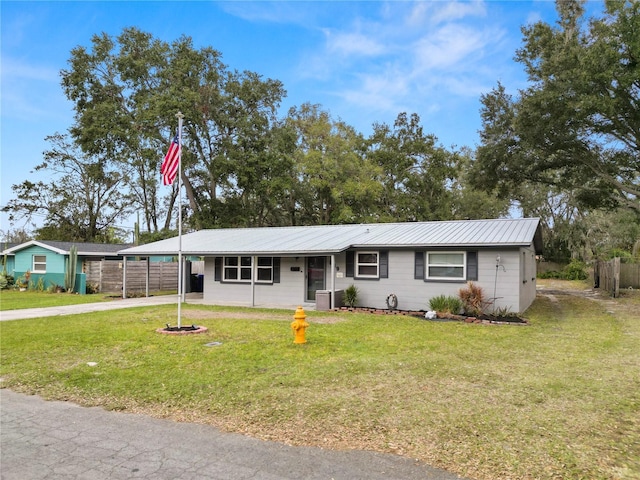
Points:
85	249
328	239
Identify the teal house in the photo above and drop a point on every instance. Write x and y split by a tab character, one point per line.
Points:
8	261
47	260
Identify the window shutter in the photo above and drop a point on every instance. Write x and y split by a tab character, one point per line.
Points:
472	265
218	269
383	260
276	269
350	264
419	266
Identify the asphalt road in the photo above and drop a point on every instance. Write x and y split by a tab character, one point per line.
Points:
63	441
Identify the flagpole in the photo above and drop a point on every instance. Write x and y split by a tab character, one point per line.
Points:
180	274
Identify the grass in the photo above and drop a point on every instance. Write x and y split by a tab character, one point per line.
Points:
559	398
14	299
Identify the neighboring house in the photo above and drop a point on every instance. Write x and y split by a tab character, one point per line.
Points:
8	260
47	259
414	261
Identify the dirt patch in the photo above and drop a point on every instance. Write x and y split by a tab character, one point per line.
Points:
198	315
557	288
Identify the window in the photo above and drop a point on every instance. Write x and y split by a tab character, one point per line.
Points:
39	264
367	264
237	269
264	270
446	265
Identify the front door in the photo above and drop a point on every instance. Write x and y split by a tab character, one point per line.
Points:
315	277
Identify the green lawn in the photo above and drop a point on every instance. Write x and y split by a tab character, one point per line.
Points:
559	398
14	299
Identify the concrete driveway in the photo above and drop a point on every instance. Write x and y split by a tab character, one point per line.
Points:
88	307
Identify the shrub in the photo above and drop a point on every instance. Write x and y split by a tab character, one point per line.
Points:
446	304
40	284
473	299
576	270
550	274
92	288
6	280
350	296
23	281
504	312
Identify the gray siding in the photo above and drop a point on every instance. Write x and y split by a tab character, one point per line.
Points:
503	284
289	292
528	278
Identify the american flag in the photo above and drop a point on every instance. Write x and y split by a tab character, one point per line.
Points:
169	168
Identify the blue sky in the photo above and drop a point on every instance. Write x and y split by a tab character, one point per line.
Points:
365	62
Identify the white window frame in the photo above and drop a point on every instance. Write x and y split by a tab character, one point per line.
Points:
264	268
428	266
39	263
359	264
238	268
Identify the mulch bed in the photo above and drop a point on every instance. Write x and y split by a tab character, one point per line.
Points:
186	330
483	319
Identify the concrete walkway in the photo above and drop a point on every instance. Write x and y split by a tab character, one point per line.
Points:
62	441
191	298
89	307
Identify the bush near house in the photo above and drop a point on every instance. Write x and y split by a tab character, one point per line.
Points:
473	299
446	304
576	270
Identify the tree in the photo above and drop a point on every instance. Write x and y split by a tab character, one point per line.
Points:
418	173
117	112
576	126
468	202
83	200
16	235
126	92
335	182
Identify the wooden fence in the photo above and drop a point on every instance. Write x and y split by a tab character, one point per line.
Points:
106	276
612	275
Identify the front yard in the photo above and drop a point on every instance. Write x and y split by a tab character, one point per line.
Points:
14	299
559	398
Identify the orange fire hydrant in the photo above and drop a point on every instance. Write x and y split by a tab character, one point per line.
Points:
299	325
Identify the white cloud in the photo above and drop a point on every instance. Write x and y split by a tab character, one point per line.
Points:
454	47
352	43
14	70
401	56
450	11
29	91
267	12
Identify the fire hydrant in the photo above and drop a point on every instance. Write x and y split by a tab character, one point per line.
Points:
299	325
